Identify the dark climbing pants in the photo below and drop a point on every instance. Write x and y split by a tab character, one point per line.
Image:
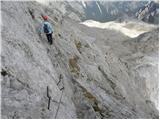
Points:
49	37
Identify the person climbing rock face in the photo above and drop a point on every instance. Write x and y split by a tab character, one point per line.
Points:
47	29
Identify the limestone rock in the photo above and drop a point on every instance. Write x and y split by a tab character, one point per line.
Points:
114	77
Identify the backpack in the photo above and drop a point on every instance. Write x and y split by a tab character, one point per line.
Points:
46	28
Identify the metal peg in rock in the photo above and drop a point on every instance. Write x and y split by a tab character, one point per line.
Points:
49	97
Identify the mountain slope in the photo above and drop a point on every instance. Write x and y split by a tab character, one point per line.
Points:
84	73
149	12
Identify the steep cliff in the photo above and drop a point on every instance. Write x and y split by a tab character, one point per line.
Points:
86	73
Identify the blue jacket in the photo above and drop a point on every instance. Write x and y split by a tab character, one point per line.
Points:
49	26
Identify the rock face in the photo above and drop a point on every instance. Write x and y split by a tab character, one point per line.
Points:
86	73
145	56
149	12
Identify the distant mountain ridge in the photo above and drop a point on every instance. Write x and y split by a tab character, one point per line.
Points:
149	13
104	11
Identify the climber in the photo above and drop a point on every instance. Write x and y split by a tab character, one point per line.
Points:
47	29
